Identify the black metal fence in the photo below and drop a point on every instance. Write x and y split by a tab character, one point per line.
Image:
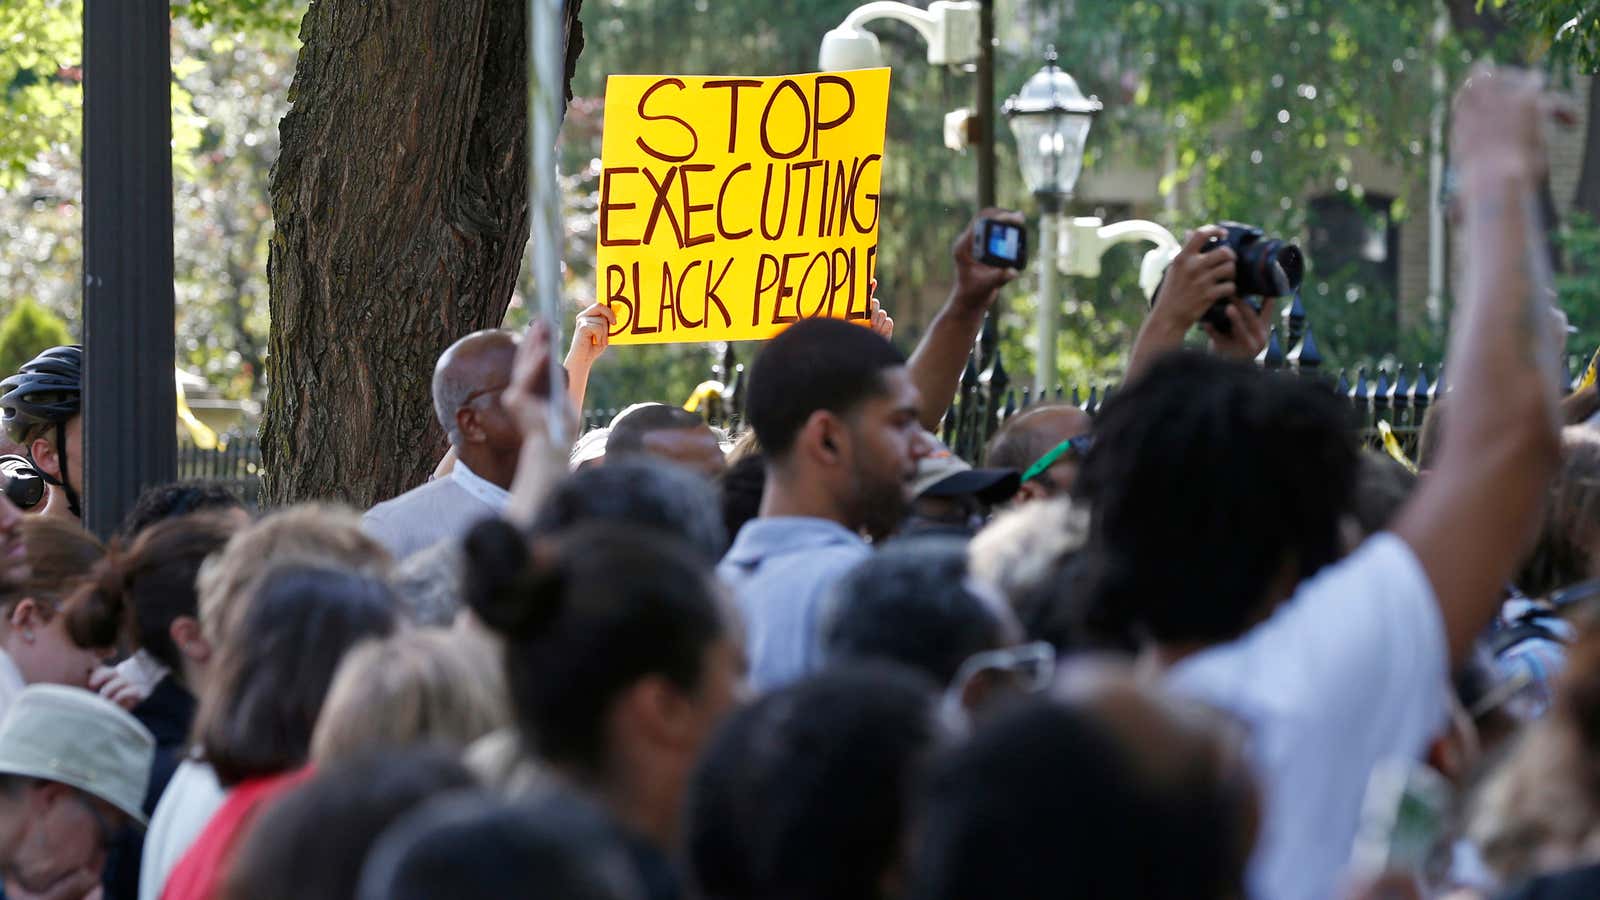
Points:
237	464
1393	393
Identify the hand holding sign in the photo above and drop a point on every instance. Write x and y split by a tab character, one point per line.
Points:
731	207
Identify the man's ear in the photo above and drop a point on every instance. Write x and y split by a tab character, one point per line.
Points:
186	636
45	457
823	438
467	425
1030	491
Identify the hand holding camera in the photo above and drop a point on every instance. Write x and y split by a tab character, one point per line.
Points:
1226	280
989	254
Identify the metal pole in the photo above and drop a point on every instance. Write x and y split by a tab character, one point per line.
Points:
130	398
1436	223
546	100
1045	373
984	106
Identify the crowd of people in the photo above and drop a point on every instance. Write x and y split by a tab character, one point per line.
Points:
1201	645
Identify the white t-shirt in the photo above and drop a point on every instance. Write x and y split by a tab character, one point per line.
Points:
1351	672
187	805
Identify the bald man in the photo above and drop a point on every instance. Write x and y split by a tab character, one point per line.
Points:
1045	444
466	397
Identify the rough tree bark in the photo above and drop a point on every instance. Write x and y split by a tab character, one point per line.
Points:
1587	194
400	205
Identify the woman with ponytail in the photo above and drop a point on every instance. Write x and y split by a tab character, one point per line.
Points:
620	660
143	597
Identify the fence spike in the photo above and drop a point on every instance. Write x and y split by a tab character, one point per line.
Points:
1272	356
1295	319
1307	355
969	375
1421	392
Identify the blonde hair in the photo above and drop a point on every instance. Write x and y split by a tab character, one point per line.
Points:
1023	547
423	685
311	533
1539	810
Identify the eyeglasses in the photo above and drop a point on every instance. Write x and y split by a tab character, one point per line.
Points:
1081	445
1032	666
467	400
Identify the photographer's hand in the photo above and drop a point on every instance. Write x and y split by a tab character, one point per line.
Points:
1195	281
1250	332
941	356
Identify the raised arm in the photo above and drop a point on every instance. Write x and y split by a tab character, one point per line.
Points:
938	361
590	338
1474	517
529	398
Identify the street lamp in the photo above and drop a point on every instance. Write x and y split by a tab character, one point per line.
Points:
1050	118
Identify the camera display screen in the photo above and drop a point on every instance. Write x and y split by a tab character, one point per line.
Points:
1005	241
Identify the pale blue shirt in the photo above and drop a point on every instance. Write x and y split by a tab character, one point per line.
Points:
443	509
781	570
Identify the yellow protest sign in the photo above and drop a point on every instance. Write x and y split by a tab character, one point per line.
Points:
731	207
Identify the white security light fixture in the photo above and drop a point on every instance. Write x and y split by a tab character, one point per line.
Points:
949	26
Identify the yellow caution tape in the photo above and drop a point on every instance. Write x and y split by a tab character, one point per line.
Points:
1589	373
1391	446
199	433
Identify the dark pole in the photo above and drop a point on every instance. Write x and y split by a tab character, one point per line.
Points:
984	105
130	399
983	140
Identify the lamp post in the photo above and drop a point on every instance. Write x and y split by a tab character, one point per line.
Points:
1050	118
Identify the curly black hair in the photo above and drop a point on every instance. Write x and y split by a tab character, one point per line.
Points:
1207	479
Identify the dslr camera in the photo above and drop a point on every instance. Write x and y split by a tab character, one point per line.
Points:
1266	267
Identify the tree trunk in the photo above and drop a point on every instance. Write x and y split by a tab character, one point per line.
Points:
1586	198
400	200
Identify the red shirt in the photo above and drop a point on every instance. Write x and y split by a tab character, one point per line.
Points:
198	875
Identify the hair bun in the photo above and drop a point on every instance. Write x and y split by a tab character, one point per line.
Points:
514	588
98	612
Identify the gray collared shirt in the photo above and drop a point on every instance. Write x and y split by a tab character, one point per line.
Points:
781	570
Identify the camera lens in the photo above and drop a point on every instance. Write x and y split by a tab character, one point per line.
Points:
21	484
1276	269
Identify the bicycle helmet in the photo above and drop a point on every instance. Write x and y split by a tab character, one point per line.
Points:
48	390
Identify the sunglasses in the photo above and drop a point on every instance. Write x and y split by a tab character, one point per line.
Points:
1081	445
